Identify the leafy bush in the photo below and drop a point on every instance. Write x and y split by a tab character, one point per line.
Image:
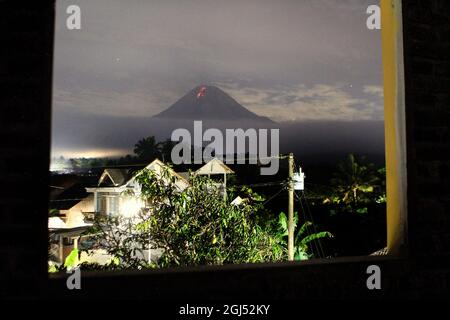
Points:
302	238
194	226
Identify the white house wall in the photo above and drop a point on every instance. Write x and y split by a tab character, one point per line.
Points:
74	216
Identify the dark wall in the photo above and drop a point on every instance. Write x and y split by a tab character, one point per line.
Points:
427	81
25	75
26	46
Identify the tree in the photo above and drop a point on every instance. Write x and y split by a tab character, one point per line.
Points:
165	149
302	239
195	226
147	148
75	163
192	227
356	183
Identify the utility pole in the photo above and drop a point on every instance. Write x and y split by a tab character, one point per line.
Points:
291	208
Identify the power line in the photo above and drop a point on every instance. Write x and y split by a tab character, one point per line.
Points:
279	191
248	185
263	184
314	247
304	212
313	224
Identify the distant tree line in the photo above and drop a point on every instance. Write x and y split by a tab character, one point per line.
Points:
145	151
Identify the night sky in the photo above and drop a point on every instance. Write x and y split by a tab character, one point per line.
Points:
296	61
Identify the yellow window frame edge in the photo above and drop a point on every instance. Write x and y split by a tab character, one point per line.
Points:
394	121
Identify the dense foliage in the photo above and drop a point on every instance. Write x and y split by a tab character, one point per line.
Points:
191	227
356	184
195	226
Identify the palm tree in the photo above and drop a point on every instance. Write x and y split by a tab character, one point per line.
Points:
355	181
147	149
165	148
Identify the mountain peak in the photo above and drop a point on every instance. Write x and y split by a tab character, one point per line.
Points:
208	102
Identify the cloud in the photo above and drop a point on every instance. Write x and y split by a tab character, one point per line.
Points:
187	41
375	90
287	103
304	103
111	103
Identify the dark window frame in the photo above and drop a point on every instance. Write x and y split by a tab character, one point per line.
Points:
265	274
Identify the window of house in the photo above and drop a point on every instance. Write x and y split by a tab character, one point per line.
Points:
296	106
108	204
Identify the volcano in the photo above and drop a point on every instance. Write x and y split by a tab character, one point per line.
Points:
210	103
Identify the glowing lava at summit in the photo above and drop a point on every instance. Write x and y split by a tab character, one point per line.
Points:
201	92
209	102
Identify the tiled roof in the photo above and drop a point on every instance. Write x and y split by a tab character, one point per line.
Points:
69	190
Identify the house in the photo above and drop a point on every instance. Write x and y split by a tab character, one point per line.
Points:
66	223
216	167
115	193
69	199
118	192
